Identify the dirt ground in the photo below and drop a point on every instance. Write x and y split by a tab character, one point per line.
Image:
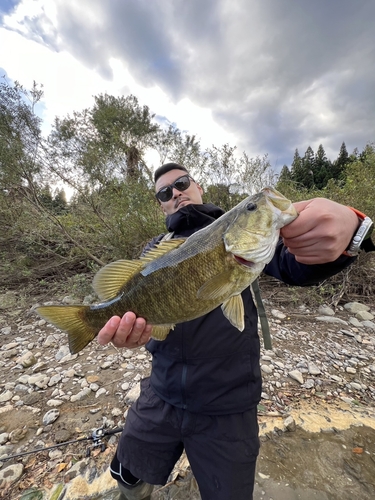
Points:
331	454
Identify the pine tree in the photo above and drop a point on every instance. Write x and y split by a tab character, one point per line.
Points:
322	170
285	175
307	170
296	168
338	166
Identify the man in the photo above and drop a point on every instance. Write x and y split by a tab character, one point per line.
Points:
205	382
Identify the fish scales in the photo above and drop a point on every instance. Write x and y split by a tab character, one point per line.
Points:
181	280
153	300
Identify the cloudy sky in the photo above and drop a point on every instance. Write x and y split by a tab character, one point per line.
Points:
267	76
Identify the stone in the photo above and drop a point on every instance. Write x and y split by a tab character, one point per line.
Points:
55	379
51	416
4	437
11	474
296	375
364	316
278	314
100	392
62	352
355	322
330	319
290	424
355	307
266	369
326	311
54	402
133	394
81	394
26	360
313	369
6	396
369	324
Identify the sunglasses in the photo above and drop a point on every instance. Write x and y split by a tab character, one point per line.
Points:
181	184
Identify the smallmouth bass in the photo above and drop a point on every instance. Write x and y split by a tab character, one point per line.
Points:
183	279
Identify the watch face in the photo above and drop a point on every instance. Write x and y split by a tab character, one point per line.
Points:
364	232
368	226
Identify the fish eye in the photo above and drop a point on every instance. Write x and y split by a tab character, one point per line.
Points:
251	207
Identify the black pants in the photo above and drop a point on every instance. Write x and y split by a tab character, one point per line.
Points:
222	449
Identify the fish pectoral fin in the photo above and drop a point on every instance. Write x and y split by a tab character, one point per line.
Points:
109	280
160	332
217	287
161	249
233	310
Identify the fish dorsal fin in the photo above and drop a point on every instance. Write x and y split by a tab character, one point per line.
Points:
110	279
160	332
233	310
216	287
161	249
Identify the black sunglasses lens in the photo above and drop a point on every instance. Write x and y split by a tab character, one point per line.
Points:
166	193
182	183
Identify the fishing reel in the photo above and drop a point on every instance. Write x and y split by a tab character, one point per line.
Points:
97	438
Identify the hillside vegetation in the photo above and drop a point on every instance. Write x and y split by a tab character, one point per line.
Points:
83	196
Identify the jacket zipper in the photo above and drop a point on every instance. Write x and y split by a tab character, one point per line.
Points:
184	372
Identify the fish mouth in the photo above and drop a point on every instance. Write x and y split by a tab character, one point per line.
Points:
243	262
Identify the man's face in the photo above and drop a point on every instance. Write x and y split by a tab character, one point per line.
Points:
193	194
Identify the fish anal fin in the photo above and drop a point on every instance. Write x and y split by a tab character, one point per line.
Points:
217	287
161	249
234	311
109	280
160	332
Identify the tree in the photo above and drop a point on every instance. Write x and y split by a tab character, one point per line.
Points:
297	169
321	168
105	142
285	175
123	126
20	136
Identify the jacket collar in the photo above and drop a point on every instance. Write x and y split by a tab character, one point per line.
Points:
191	218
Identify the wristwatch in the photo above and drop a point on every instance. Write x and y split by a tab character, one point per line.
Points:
362	238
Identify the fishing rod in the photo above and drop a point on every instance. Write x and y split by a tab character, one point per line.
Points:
96	436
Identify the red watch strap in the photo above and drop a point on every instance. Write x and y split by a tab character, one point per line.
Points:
359	214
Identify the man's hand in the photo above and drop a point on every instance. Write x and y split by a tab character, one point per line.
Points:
128	331
321	232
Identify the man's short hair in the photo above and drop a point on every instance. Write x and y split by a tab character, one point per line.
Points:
166	168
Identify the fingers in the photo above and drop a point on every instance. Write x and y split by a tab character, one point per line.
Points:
321	232
128	331
108	331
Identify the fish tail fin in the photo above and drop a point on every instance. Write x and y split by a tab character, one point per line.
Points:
73	320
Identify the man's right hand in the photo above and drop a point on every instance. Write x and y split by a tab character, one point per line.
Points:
128	331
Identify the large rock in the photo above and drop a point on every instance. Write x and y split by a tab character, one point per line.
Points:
10	474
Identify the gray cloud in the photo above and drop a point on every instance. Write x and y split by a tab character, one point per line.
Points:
279	74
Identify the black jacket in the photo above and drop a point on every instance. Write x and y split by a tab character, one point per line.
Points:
206	365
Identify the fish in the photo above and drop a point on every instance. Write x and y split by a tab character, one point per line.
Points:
181	279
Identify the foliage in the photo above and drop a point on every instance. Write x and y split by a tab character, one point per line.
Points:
227	178
20	136
99	157
314	171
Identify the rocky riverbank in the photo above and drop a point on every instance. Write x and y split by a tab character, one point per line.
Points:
320	374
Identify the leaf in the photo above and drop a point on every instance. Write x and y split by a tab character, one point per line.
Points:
358	450
61	467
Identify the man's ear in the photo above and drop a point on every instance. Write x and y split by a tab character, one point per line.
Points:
200	189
